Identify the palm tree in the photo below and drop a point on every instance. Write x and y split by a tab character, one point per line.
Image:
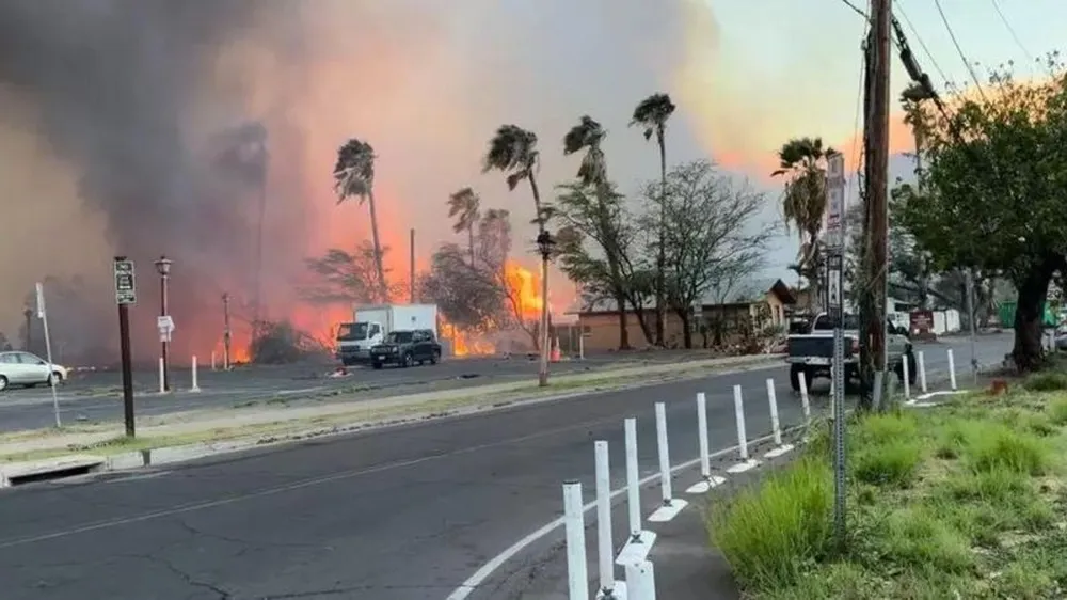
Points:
354	177
513	151
803	160
465	204
652	114
589	135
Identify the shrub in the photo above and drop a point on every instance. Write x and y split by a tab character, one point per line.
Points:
1046	382
884	428
888	464
1000	447
1057	411
917	538
769	532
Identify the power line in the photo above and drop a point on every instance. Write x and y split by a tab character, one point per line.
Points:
1011	30
956	43
922	44
856	9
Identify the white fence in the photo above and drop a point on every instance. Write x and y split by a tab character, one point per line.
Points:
638	581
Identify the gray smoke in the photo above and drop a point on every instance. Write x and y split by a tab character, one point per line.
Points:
115	84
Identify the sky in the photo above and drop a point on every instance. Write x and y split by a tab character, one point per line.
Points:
110	109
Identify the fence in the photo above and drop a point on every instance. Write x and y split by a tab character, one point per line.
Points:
638	581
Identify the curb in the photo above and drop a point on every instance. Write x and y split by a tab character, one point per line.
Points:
61	467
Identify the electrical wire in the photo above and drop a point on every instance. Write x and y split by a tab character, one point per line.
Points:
1014	35
856	9
956	43
898	8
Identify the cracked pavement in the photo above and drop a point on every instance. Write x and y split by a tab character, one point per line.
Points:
399	514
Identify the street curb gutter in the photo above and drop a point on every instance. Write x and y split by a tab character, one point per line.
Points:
13	474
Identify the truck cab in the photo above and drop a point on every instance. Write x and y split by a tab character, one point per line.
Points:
372	324
811	353
355	339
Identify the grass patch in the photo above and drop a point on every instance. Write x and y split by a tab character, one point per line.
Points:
1046	382
967	500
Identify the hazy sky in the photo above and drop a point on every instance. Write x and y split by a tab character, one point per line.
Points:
100	158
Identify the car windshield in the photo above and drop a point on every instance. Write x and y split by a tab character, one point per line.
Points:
352	332
823	323
399	337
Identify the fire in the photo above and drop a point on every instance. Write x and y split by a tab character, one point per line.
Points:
523	298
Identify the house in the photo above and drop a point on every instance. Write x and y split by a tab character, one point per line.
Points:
722	317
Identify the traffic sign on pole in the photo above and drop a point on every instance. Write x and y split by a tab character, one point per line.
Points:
125	281
835	200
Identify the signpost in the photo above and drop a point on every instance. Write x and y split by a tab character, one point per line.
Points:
42	314
125	295
835	229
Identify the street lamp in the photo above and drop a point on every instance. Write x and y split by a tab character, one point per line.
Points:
163	266
546	246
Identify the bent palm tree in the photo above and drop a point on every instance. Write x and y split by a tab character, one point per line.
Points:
588	135
354	177
513	151
652	114
803	160
464	207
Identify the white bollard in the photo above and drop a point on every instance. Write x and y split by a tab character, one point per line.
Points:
574	519
952	369
640	542
161	389
196	385
805	399
708	480
581	347
907	379
671	505
603	520
641	581
776	424
746	463
922	371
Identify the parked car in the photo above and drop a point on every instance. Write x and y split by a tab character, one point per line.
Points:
810	354
28	369
405	347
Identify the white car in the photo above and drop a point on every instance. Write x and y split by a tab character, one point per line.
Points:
25	368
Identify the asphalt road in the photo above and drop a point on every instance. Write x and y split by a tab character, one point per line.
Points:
96	396
399	514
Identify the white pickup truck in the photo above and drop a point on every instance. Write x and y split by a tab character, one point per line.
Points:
810	353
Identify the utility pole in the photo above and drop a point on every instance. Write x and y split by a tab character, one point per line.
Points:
226	332
412	283
876	214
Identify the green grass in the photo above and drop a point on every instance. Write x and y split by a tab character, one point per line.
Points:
968	500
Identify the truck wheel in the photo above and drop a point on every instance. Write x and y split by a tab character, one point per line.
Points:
405	361
795	372
376	365
434	357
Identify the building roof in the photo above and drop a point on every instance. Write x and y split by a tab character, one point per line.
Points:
746	292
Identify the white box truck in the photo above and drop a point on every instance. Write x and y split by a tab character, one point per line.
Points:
371	323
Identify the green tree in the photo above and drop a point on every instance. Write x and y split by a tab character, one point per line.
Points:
348	276
652	114
993	192
513	152
464	206
803	162
353	175
597	220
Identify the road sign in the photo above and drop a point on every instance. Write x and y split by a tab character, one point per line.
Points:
835	200
40	300
165	324
125	281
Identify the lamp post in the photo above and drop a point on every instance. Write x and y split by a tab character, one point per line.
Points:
546	246
28	313
163	265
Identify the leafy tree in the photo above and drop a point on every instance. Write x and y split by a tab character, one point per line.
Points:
463	206
468	297
349	276
994	191
711	236
598	219
803	161
513	152
281	343
652	114
354	177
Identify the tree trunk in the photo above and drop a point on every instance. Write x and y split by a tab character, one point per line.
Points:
470	242
1033	292
639	312
687	336
542	373
624	332
379	264
661	255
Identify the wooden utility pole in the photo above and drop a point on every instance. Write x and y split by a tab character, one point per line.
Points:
226	333
412	282
876	209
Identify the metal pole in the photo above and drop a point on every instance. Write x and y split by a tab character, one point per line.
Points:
542	372
127	370
29	330
51	377
226	332
164	343
574	518
605	548
972	314
412	263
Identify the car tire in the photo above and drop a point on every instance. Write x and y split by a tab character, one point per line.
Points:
794	377
376	365
405	361
3	383
434	357
56	379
